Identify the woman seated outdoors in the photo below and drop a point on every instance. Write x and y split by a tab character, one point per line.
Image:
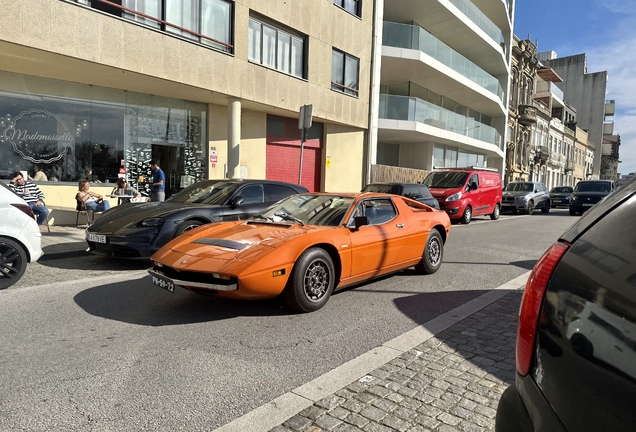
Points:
123	189
92	201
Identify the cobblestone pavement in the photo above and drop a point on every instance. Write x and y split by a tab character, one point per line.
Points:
450	383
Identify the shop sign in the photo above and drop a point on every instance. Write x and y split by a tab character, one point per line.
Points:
38	136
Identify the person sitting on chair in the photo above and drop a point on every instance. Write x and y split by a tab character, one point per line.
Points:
92	201
31	194
38	174
122	188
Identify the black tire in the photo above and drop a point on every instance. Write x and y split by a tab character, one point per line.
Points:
433	254
530	208
13	262
572	212
467	216
312	281
496	212
186	226
546	208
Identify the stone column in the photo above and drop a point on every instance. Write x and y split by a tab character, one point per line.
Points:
234	138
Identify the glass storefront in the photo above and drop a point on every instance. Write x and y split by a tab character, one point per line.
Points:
100	134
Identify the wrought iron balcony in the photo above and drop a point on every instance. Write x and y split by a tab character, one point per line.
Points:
541	154
569	166
527	115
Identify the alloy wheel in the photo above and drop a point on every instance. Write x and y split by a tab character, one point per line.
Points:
316	280
434	251
10	265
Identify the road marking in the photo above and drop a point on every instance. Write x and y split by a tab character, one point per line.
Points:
274	413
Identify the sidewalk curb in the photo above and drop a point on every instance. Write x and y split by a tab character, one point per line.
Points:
277	411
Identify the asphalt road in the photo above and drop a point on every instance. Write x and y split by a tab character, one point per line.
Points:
89	343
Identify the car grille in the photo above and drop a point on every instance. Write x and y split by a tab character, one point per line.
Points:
508	199
120	251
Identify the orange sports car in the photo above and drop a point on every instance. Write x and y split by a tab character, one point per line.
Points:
304	247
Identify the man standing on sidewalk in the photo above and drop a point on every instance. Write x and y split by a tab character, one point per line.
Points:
158	185
31	194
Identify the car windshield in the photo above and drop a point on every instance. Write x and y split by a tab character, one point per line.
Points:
382	188
519	187
593	187
307	209
448	179
562	189
213	192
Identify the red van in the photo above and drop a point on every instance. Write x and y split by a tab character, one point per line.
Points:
466	192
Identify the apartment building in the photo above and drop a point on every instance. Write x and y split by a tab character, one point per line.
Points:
440	83
96	88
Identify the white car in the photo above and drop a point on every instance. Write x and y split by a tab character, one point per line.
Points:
20	237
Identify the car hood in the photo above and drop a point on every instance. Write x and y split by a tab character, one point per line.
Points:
596	195
227	241
443	192
129	215
516	193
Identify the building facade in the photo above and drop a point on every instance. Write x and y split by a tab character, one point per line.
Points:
522	110
96	88
440	83
586	92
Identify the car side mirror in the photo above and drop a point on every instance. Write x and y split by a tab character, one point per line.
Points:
236	201
360	221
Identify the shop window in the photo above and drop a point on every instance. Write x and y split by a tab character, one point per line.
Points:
344	72
276	48
73	139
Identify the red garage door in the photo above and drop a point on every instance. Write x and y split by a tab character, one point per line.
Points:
283	161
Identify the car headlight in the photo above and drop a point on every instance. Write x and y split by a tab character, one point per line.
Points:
152	222
454	197
573	198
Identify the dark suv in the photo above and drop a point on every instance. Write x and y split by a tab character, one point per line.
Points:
587	193
576	337
415	191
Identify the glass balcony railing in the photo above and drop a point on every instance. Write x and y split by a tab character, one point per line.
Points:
479	18
416	38
408	108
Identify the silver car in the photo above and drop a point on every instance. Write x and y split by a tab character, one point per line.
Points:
525	197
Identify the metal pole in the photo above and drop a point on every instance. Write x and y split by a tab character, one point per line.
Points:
302	147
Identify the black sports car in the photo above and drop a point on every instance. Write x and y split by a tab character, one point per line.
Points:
415	191
139	230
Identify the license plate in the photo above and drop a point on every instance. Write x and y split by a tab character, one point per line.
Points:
557	201
97	238
162	282
588	205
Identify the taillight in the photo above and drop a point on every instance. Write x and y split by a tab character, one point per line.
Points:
531	304
25	208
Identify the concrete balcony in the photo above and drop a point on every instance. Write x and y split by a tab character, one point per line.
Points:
411	109
461	25
610	108
527	115
608	128
412	54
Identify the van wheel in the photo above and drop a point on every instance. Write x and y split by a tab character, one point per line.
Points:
467	216
495	214
433	254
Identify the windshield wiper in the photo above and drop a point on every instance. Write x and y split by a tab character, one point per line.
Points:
289	217
260	217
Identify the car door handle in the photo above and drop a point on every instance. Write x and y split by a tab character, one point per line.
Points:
399	225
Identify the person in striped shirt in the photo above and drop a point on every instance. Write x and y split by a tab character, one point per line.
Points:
31	194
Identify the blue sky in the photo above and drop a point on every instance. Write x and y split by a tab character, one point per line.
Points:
605	30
